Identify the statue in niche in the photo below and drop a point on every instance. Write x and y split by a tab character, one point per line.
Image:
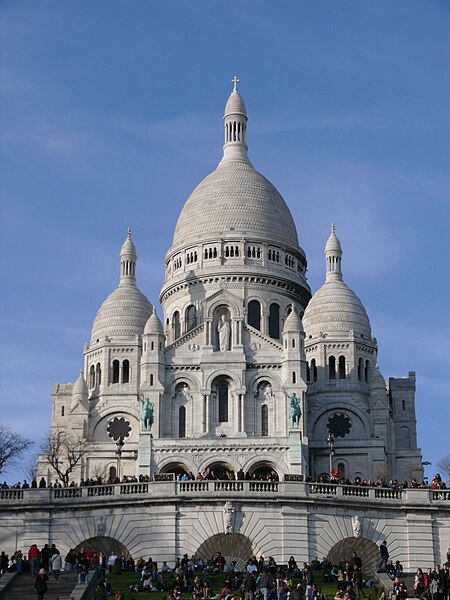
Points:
183	393
228	516
356	526
100	526
265	392
223	329
146	413
294	410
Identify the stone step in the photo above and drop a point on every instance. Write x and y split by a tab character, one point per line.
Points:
22	587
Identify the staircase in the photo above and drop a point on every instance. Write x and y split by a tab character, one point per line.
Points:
22	588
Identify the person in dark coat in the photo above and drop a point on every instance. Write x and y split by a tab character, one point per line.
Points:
40	585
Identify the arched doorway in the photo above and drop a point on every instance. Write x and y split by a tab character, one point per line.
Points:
220	470
233	546
105	545
364	548
175	468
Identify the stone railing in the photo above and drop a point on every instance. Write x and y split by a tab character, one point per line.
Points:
205	489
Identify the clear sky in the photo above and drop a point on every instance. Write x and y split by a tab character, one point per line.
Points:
111	113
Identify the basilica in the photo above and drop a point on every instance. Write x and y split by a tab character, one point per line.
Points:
247	370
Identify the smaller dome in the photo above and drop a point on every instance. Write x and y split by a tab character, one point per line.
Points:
377	381
333	244
293	321
153	324
335	308
235	105
80	388
128	247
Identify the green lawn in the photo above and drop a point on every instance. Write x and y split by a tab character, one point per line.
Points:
122	583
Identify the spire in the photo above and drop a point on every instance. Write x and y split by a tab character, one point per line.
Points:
128	259
333	257
235	127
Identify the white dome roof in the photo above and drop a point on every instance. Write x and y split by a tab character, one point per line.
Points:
293	321
124	313
336	308
153	324
235	105
235	199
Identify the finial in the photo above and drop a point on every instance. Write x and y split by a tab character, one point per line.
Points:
333	228
81	372
235	81
129	233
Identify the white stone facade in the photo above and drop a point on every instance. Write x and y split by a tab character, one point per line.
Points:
236	261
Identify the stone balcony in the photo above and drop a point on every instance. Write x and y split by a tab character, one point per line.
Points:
204	491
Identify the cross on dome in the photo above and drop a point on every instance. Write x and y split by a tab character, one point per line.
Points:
129	233
235	81
333	228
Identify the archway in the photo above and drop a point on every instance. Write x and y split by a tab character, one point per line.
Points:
105	545
364	548
233	546
177	468
220	470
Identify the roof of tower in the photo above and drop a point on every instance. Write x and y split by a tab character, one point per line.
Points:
335	308
235	104
126	310
80	387
235	199
377	381
153	324
293	321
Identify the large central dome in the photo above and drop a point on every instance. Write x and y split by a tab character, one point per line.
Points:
235	199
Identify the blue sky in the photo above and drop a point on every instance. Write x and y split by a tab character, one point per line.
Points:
111	113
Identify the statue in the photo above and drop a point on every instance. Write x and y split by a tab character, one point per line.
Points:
356	526
183	393
228	512
146	413
294	410
223	329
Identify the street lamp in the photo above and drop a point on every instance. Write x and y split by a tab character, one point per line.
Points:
330	442
119	445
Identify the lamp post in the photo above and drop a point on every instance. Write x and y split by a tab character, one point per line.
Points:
119	445
330	442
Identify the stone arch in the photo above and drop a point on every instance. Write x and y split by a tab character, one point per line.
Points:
104	544
188	378
273	462
366	549
224	300
223	373
181	462
233	546
100	425
317	417
219	462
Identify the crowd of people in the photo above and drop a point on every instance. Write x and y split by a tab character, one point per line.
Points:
229	475
192	578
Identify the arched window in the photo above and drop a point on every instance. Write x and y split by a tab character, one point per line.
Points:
403	438
92	377
115	371
98	375
308	372
342	374
126	371
274	321
62	410
176	326
264	420
332	368
151	378
223	402
294	377
360	369
341	470
191	317
313	370
182	422
254	314
367	372
112	474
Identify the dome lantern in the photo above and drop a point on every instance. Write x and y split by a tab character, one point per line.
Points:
333	257
128	259
235	127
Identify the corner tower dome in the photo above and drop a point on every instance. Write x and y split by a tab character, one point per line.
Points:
335	308
125	311
235	199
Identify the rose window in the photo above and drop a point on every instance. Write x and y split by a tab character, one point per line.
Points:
339	425
119	428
